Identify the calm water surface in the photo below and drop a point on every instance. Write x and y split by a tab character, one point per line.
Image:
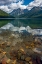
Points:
33	23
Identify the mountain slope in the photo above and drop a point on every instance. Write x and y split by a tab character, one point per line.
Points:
35	12
4	14
17	12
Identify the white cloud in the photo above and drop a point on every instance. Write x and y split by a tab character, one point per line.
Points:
10	5
34	3
5	8
17	5
14	4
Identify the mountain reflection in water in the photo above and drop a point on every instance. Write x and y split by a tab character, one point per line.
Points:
33	23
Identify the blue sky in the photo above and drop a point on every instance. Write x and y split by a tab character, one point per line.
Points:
26	2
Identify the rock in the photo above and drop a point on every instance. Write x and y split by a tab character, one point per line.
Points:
28	58
4	61
22	49
19	55
14	62
27	47
22	57
4	53
30	62
8	61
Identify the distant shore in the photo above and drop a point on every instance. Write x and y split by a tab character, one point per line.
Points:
19	18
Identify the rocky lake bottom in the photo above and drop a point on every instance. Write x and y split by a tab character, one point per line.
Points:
17	48
20	42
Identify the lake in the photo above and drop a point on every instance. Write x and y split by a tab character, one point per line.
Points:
33	23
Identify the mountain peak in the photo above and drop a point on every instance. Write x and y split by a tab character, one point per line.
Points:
19	11
35	12
37	8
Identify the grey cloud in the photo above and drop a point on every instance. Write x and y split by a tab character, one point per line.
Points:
10	5
4	2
